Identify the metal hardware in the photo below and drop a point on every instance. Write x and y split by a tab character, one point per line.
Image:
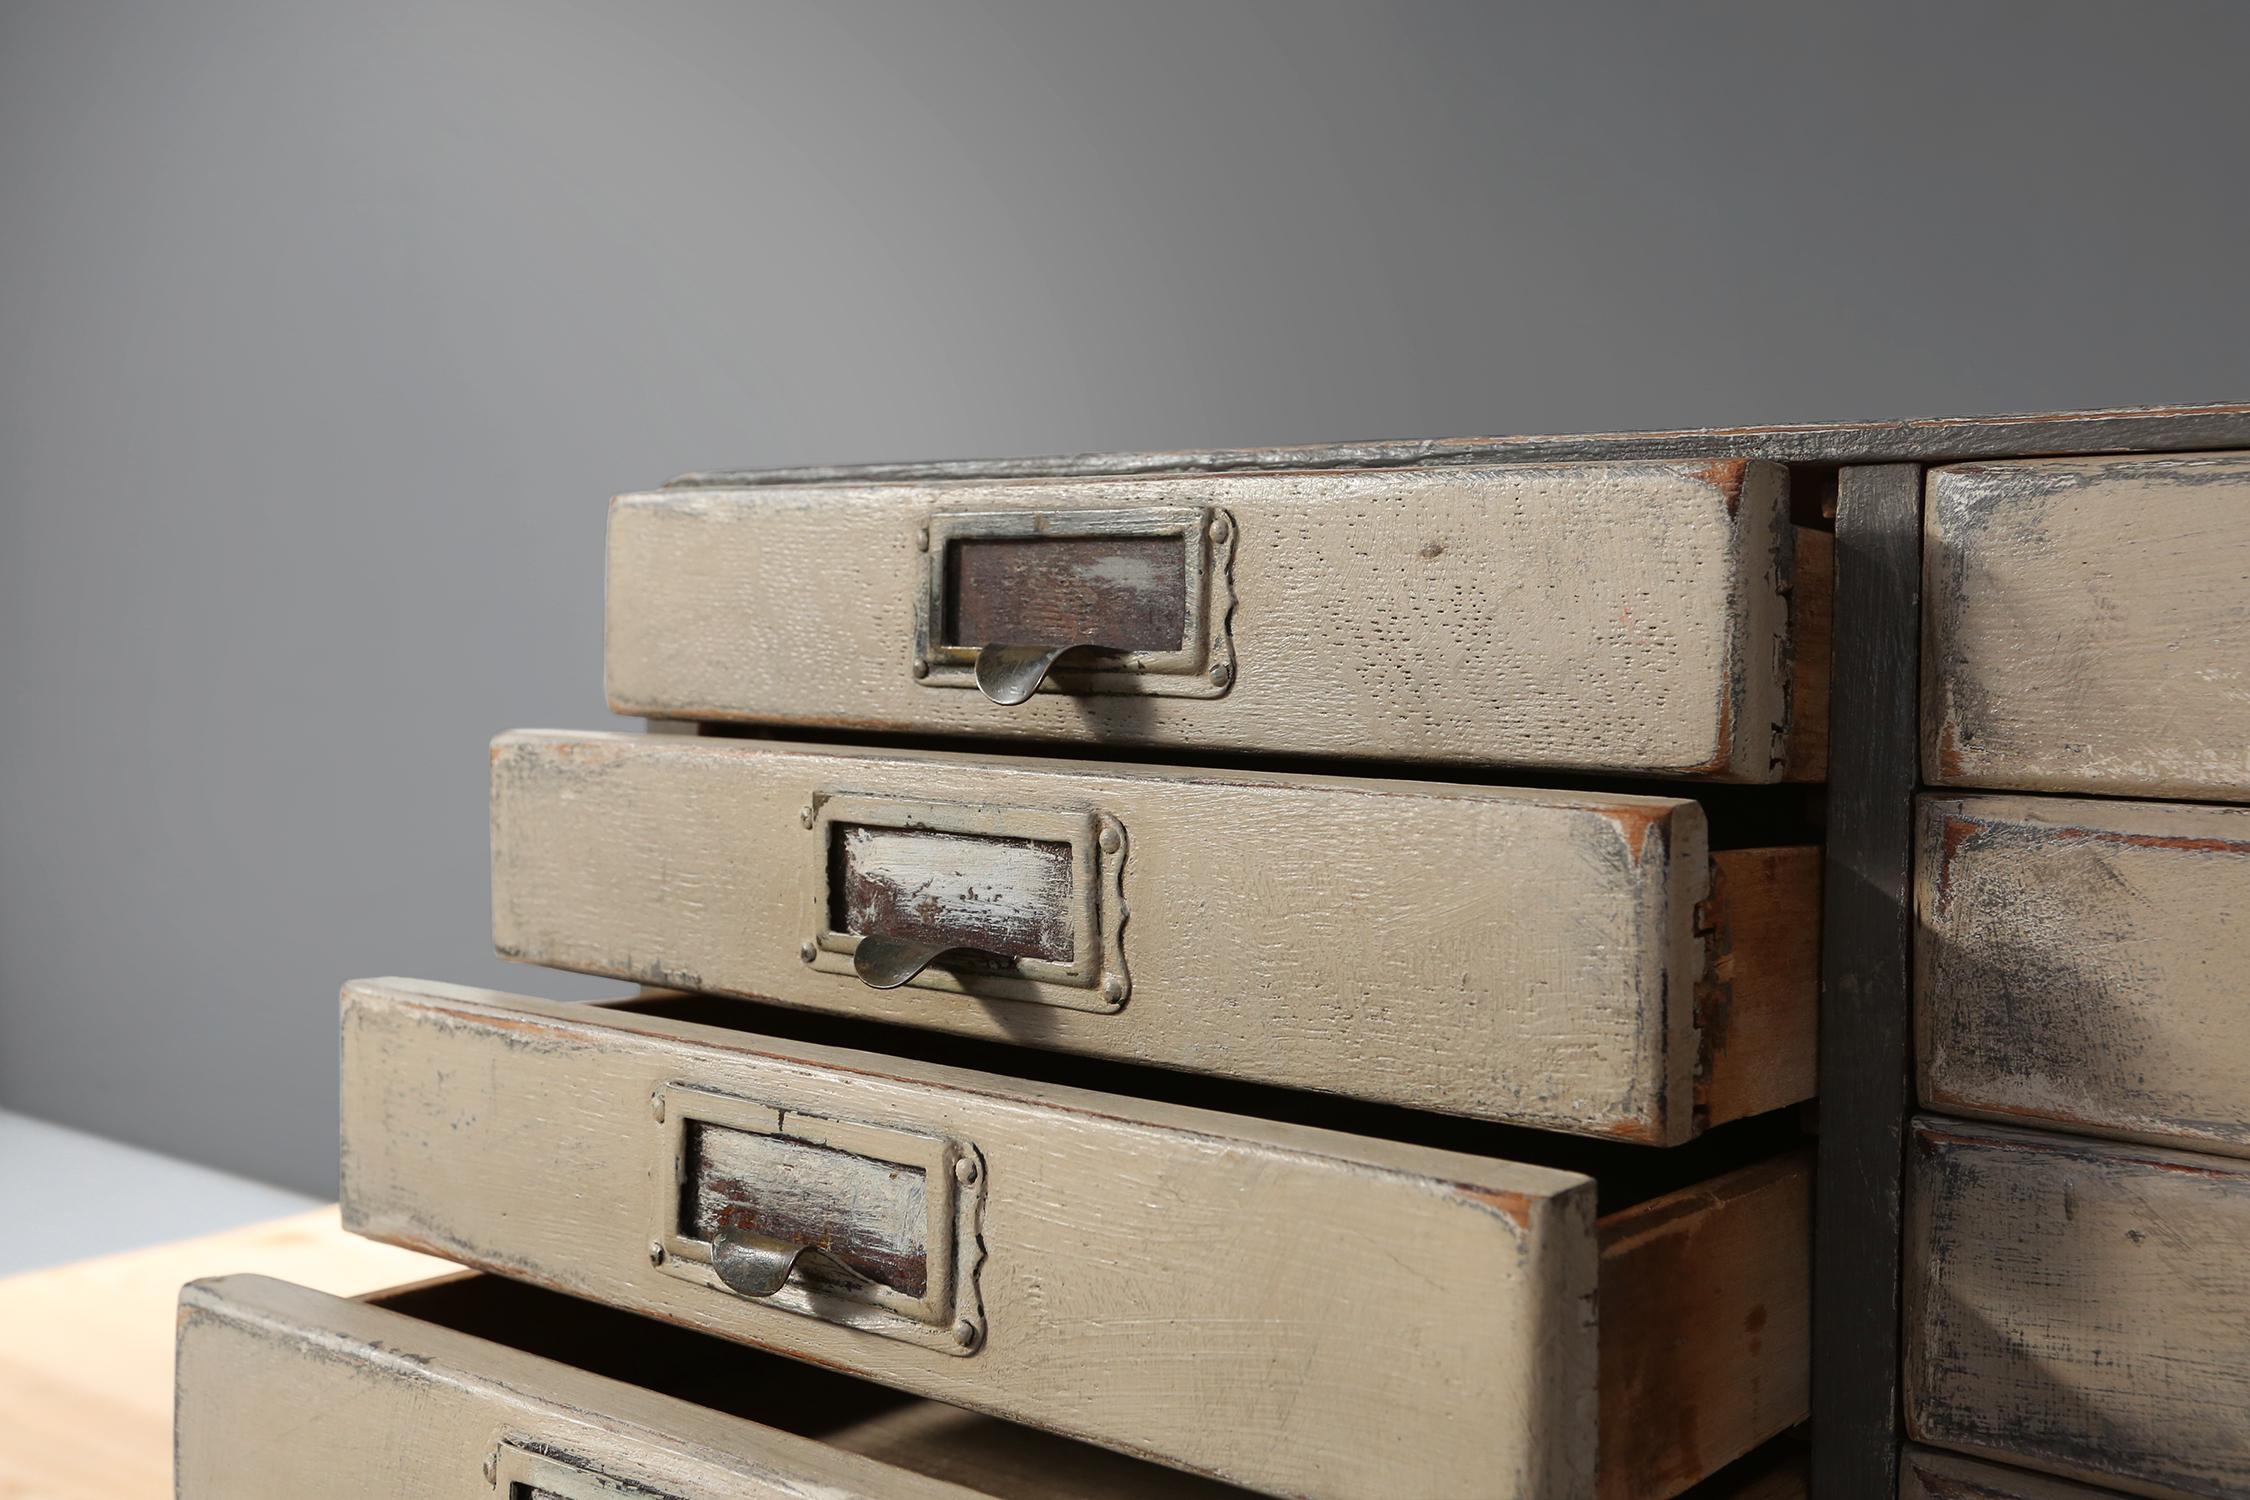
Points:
1009	675
786	1166
885	963
1083	967
759	1265
1120	611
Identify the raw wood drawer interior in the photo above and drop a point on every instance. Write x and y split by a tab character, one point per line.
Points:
1653	618
1294	1309
485	1389
1590	961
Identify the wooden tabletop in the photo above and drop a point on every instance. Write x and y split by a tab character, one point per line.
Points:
86	1349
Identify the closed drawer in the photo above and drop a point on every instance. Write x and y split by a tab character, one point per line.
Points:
479	1389
2080	1306
1293	1309
2088	626
1926	1474
2081	964
1573	961
1637	617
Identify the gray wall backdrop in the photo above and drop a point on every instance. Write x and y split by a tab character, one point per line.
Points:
326	331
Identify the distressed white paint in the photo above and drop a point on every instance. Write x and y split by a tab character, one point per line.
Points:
289	1394
2080	1306
2087	626
1517	955
1625	616
1305	1312
2082	964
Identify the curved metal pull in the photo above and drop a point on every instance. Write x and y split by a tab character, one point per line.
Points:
758	1265
885	963
1011	674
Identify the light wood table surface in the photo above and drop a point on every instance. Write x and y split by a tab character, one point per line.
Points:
86	1349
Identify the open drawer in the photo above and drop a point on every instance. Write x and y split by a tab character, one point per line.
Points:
1654	618
1297	1310
1575	961
474	1388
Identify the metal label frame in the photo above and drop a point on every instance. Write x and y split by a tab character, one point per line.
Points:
949	1315
1095	979
1203	667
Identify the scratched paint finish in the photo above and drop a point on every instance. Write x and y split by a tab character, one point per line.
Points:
873	1216
1003	895
1121	591
2080	1306
2087	626
1630	616
1149	1283
1925	1474
1520	955
286	1393
2081	964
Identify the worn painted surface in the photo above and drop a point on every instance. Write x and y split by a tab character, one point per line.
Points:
872	1216
2080	1306
2087	626
1706	1322
286	1394
1001	895
1633	617
1926	1474
2082	965
1515	955
1125	592
1297	1310
1917	440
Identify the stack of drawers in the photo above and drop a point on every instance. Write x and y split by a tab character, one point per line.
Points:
1152	982
2078	1229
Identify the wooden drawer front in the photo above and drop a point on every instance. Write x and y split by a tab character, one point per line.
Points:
2081	964
477	1389
1524	956
285	1394
1633	617
1926	1474
2080	1306
2088	626
1300	1311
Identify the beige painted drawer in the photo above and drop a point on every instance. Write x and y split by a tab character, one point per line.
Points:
1926	1474
2088	626
2082	963
1573	961
1637	617
2080	1306
1297	1310
475	1388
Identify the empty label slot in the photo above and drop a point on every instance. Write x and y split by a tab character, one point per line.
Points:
871	1216
1121	591
1003	895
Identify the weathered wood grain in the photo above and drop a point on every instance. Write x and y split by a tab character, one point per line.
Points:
1630	617
1926	1474
1867	926
1304	1312
1812	603
2082	966
1921	440
1513	955
286	1394
2088	626
2081	1307
1696	1368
